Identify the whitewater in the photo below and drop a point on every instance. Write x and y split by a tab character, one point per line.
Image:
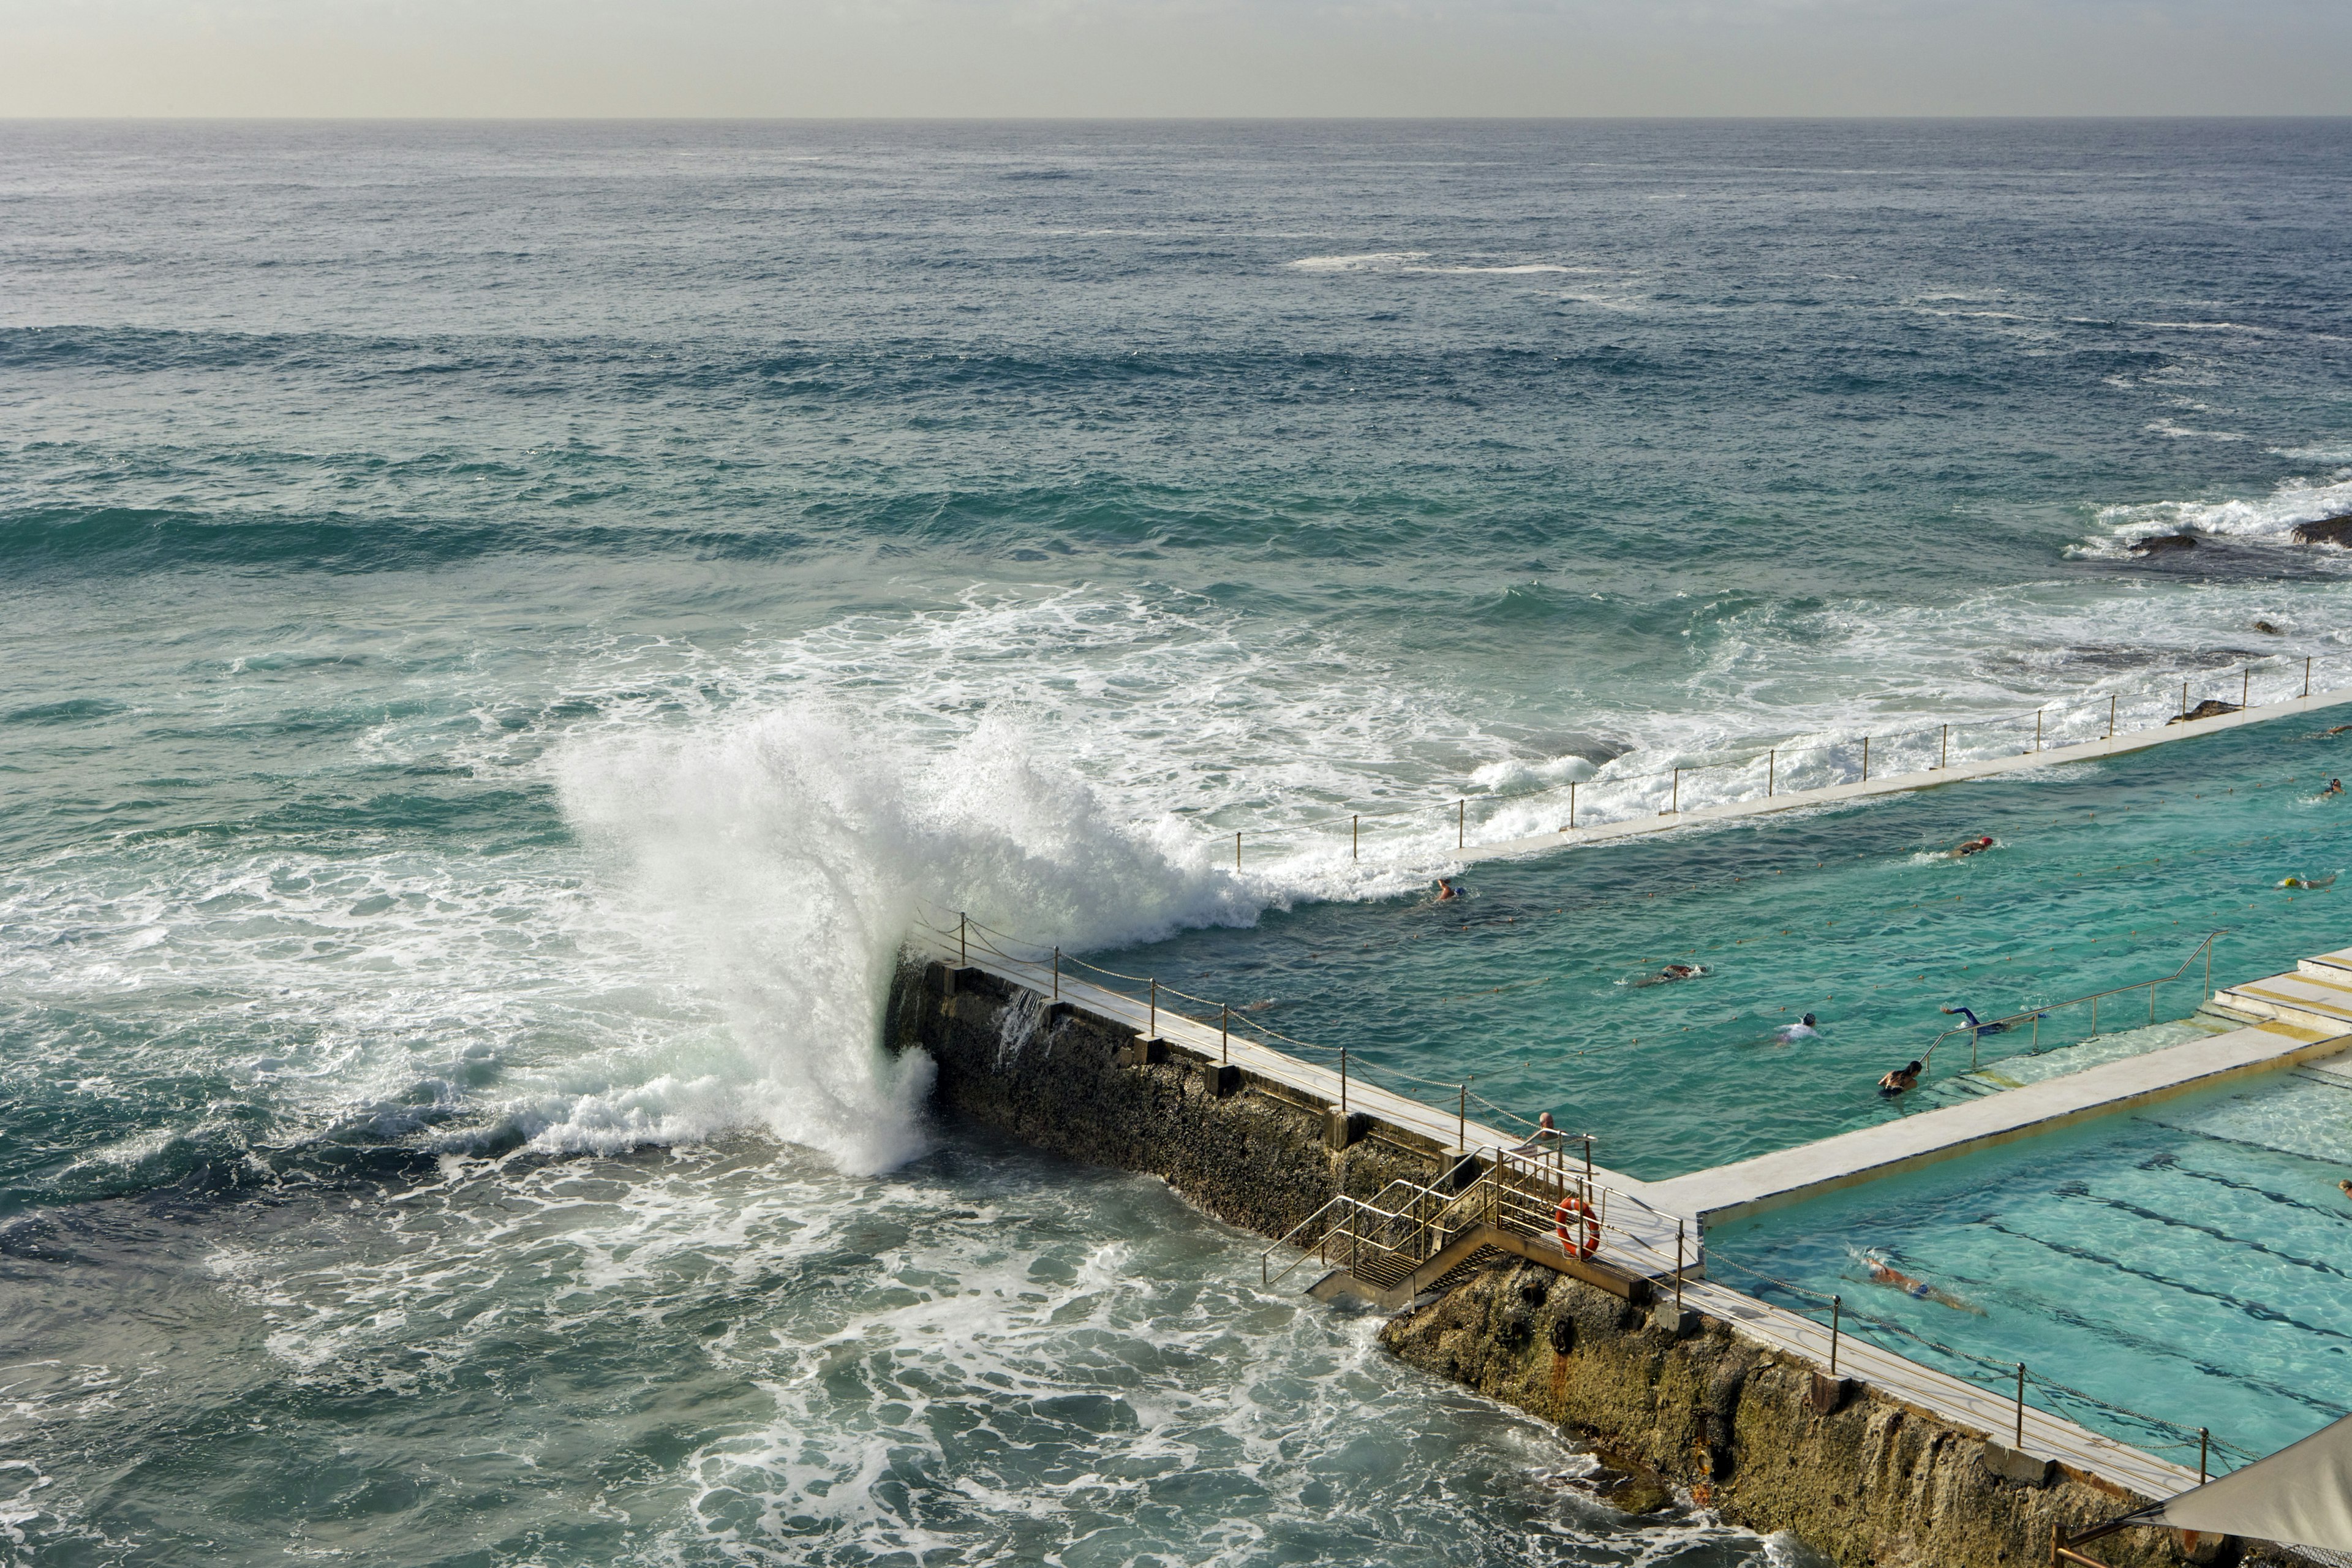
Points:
501	629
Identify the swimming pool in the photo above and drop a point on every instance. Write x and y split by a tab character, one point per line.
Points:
2190	1261
2106	873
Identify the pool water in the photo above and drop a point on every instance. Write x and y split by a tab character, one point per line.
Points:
2106	874
2192	1261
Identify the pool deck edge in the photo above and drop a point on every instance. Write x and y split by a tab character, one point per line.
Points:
1788	1175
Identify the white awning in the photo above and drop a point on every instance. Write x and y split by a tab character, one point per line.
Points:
2300	1496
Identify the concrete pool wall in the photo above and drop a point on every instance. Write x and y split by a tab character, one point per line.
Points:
1726	1397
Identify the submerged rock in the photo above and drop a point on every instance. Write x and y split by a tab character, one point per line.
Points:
2159	544
2267	630
2335	530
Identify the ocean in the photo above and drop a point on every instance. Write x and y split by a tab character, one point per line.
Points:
503	626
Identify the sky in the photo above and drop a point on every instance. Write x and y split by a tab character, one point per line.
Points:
1115	59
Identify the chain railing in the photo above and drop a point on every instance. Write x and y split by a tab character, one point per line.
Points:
1766	774
2032	1019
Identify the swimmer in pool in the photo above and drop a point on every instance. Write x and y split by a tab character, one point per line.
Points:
1981	1030
1962	851
1893	1279
1447	891
2345	1187
1672	972
1805	1029
2309	884
1900	1079
2335	786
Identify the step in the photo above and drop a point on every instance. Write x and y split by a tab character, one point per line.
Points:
2336	965
2295	999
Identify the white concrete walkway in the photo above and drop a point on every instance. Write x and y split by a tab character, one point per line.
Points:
1897	783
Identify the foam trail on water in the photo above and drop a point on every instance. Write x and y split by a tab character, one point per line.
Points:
781	861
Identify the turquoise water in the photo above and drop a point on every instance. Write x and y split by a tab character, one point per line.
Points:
2186	1261
2106	874
502	627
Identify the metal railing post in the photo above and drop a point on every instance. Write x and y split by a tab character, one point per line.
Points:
2184	700
1462	1121
1057	975
1771	768
1679	1227
1356	837
2306	677
1461	822
963	949
1237	848
1154	1031
1943	758
1865	759
2204	1453
2037	729
1225	1036
1571	806
2111	715
1675	806
1343	1080
1837	1311
2245	685
2020	1445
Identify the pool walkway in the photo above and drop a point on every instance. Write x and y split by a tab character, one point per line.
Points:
1897	783
2291	1019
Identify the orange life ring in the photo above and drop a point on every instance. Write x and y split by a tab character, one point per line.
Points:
1563	1223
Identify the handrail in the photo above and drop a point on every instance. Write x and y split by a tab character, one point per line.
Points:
1998	1025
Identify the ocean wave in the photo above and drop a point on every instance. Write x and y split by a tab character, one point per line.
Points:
2266	520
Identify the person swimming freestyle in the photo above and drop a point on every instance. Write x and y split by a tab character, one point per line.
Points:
1893	1279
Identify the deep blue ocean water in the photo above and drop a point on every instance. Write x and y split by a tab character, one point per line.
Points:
501	626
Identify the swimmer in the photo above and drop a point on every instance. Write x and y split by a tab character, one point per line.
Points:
1447	891
1962	851
1900	1079
1805	1029
2345	1187
1672	972
1981	1030
2335	786
2309	884
1893	1279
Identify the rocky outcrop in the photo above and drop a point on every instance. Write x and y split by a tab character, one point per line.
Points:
1756	1435
2163	544
2335	530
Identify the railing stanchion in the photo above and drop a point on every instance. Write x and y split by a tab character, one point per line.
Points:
1571	806
2021	1407
1153	1032
1462	1121
2111	715
1343	1081
2245	685
1356	837
1461	822
1865	759
1674	805
2306	677
1679	1227
2184	700
1237	848
964	951
1943	758
1837	1311
2037	729
1057	975
1771	769
2204	1453
1225	1036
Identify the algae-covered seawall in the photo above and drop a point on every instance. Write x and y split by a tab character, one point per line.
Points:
1751	1433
